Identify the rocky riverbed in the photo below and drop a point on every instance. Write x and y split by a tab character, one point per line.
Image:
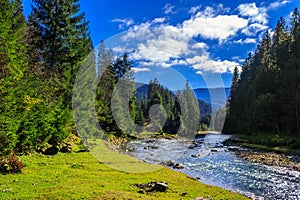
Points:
291	162
271	159
212	161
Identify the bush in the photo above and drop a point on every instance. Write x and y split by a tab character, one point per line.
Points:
11	165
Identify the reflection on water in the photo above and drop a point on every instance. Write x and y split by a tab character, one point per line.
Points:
212	163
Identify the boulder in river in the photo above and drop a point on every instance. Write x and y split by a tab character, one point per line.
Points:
178	166
168	163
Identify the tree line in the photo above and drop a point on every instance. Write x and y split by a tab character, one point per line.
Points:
39	60
265	96
123	111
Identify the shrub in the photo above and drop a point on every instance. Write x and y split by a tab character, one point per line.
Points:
11	165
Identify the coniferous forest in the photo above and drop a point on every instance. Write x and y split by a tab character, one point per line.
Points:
265	96
41	56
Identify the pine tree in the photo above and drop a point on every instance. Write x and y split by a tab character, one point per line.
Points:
13	63
190	114
62	42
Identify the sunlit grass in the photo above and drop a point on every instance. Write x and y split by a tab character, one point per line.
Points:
82	176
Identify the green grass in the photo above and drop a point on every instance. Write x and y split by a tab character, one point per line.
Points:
82	176
288	144
281	149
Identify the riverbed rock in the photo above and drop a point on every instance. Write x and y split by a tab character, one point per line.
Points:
178	166
269	158
168	163
197	155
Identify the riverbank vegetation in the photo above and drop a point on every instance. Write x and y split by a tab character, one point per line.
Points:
265	96
39	59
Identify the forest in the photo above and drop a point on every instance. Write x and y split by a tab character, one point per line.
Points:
39	60
40	57
265	95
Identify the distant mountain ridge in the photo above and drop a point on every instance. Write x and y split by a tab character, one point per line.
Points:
215	97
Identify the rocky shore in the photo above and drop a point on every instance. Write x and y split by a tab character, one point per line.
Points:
271	159
291	162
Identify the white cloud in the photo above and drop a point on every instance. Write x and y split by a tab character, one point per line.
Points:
216	66
123	22
254	13
205	63
194	9
137	70
158	43
277	4
248	10
246	41
158	20
200	45
168	8
253	29
220	27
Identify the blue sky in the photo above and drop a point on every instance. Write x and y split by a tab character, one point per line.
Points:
178	40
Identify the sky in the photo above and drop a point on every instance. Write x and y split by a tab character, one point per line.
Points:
178	40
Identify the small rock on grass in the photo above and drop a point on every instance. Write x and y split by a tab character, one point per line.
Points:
152	187
7	190
160	187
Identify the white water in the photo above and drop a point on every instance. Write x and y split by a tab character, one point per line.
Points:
214	164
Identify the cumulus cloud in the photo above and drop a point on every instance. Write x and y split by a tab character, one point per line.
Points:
168	8
157	43
158	20
123	22
200	45
246	41
248	10
137	70
253	29
194	9
277	4
254	13
205	63
220	27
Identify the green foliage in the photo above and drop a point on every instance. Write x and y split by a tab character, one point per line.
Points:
288	142
190	113
266	97
38	65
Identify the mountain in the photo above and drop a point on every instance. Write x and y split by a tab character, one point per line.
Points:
141	90
216	97
202	94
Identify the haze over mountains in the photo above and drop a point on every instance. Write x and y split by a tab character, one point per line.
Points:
215	97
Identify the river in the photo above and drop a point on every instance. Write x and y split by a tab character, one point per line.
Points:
212	163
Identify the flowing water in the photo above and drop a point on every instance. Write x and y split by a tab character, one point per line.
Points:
212	163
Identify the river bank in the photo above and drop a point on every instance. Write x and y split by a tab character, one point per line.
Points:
210	161
95	175
263	155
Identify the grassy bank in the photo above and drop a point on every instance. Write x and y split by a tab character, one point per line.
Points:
82	176
276	143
